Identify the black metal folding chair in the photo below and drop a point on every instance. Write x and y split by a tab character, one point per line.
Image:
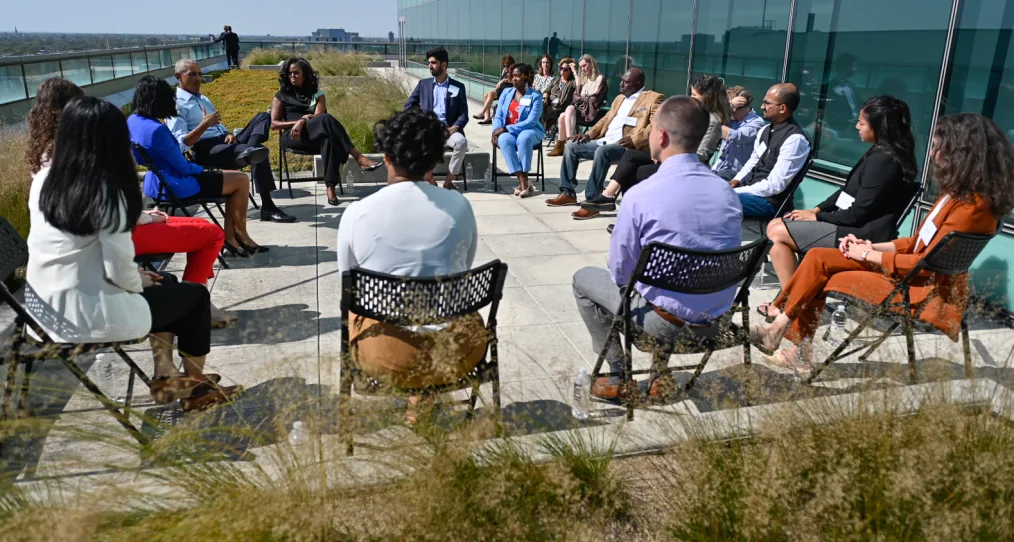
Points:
168	198
14	254
540	167
404	301
685	271
954	255
283	165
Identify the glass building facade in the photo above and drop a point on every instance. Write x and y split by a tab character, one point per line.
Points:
940	56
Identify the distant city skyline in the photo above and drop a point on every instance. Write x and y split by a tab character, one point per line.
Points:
252	17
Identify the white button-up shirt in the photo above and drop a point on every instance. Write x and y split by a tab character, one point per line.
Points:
615	131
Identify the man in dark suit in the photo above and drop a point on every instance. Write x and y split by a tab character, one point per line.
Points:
231	45
446	98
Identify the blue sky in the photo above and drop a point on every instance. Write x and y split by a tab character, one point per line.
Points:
276	17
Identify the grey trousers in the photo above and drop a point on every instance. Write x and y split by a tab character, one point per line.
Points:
599	301
602	157
459	147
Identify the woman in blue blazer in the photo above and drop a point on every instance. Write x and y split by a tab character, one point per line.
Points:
517	126
154	101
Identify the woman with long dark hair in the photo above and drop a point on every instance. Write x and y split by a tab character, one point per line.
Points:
154	101
973	170
869	205
83	284
299	110
155	233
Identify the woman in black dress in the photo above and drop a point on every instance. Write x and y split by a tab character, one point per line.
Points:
875	195
299	109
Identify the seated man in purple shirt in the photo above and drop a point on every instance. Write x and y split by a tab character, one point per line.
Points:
684	204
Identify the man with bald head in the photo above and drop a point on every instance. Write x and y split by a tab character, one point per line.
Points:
780	151
683	204
626	125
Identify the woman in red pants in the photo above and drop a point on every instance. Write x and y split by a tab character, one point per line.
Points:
199	239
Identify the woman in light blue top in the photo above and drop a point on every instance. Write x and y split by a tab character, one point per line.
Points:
517	126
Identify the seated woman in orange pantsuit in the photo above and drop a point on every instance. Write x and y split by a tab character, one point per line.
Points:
973	172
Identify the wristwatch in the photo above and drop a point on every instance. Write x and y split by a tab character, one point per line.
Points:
865	252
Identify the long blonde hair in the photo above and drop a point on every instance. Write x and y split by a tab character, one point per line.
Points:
581	79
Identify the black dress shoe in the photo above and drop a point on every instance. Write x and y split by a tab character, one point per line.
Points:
276	215
600	202
251	155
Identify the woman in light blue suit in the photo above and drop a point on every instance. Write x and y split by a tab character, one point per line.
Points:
517	126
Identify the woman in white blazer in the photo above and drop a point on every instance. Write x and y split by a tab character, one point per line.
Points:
83	285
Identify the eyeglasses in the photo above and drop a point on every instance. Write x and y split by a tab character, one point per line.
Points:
765	102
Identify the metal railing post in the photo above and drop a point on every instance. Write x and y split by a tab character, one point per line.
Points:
24	81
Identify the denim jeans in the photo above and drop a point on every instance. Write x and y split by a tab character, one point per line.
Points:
599	301
602	156
756	206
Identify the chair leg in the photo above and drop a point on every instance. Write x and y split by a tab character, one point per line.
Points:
493	169
11	364
839	349
133	366
880	340
697	372
254	201
122	417
542	169
913	375
26	384
966	349
345	401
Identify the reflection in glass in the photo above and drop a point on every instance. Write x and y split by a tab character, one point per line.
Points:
37	72
605	38
535	31
842	56
12	86
566	18
102	68
491	47
138	62
656	45
76	71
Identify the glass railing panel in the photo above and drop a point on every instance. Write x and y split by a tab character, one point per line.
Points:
122	66
12	85
76	71
102	68
37	72
138	63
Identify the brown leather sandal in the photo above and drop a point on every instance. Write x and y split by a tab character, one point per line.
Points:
167	389
210	397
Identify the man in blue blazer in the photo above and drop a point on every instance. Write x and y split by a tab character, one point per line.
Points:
446	98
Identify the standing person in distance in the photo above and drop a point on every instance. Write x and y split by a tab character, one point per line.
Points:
231	46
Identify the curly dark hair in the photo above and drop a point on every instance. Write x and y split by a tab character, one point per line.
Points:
715	100
44	117
974	157
311	81
527	71
413	140
154	98
891	122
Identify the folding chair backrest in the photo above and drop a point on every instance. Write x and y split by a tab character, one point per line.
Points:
790	191
955	253
690	271
164	190
13	249
421	301
909	192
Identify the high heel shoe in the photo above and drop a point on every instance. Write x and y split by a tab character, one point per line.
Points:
252	249
526	192
234	251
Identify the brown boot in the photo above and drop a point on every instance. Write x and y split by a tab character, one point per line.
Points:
557	149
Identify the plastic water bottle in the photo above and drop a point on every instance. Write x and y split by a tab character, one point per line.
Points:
349	180
487	179
801	367
582	394
838	319
469	171
102	372
298	436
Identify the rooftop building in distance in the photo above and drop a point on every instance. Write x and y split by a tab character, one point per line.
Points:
337	35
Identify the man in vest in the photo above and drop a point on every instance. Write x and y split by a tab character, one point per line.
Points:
779	153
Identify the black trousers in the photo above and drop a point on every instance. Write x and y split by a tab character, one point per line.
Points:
232	55
634	167
215	153
183	309
326	136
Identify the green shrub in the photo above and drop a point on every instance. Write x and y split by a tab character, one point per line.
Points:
15	179
327	63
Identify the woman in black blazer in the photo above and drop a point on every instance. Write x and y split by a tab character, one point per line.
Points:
876	193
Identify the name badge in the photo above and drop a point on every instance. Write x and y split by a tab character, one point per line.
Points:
845	201
453	91
630	121
525	102
556	101
929	229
